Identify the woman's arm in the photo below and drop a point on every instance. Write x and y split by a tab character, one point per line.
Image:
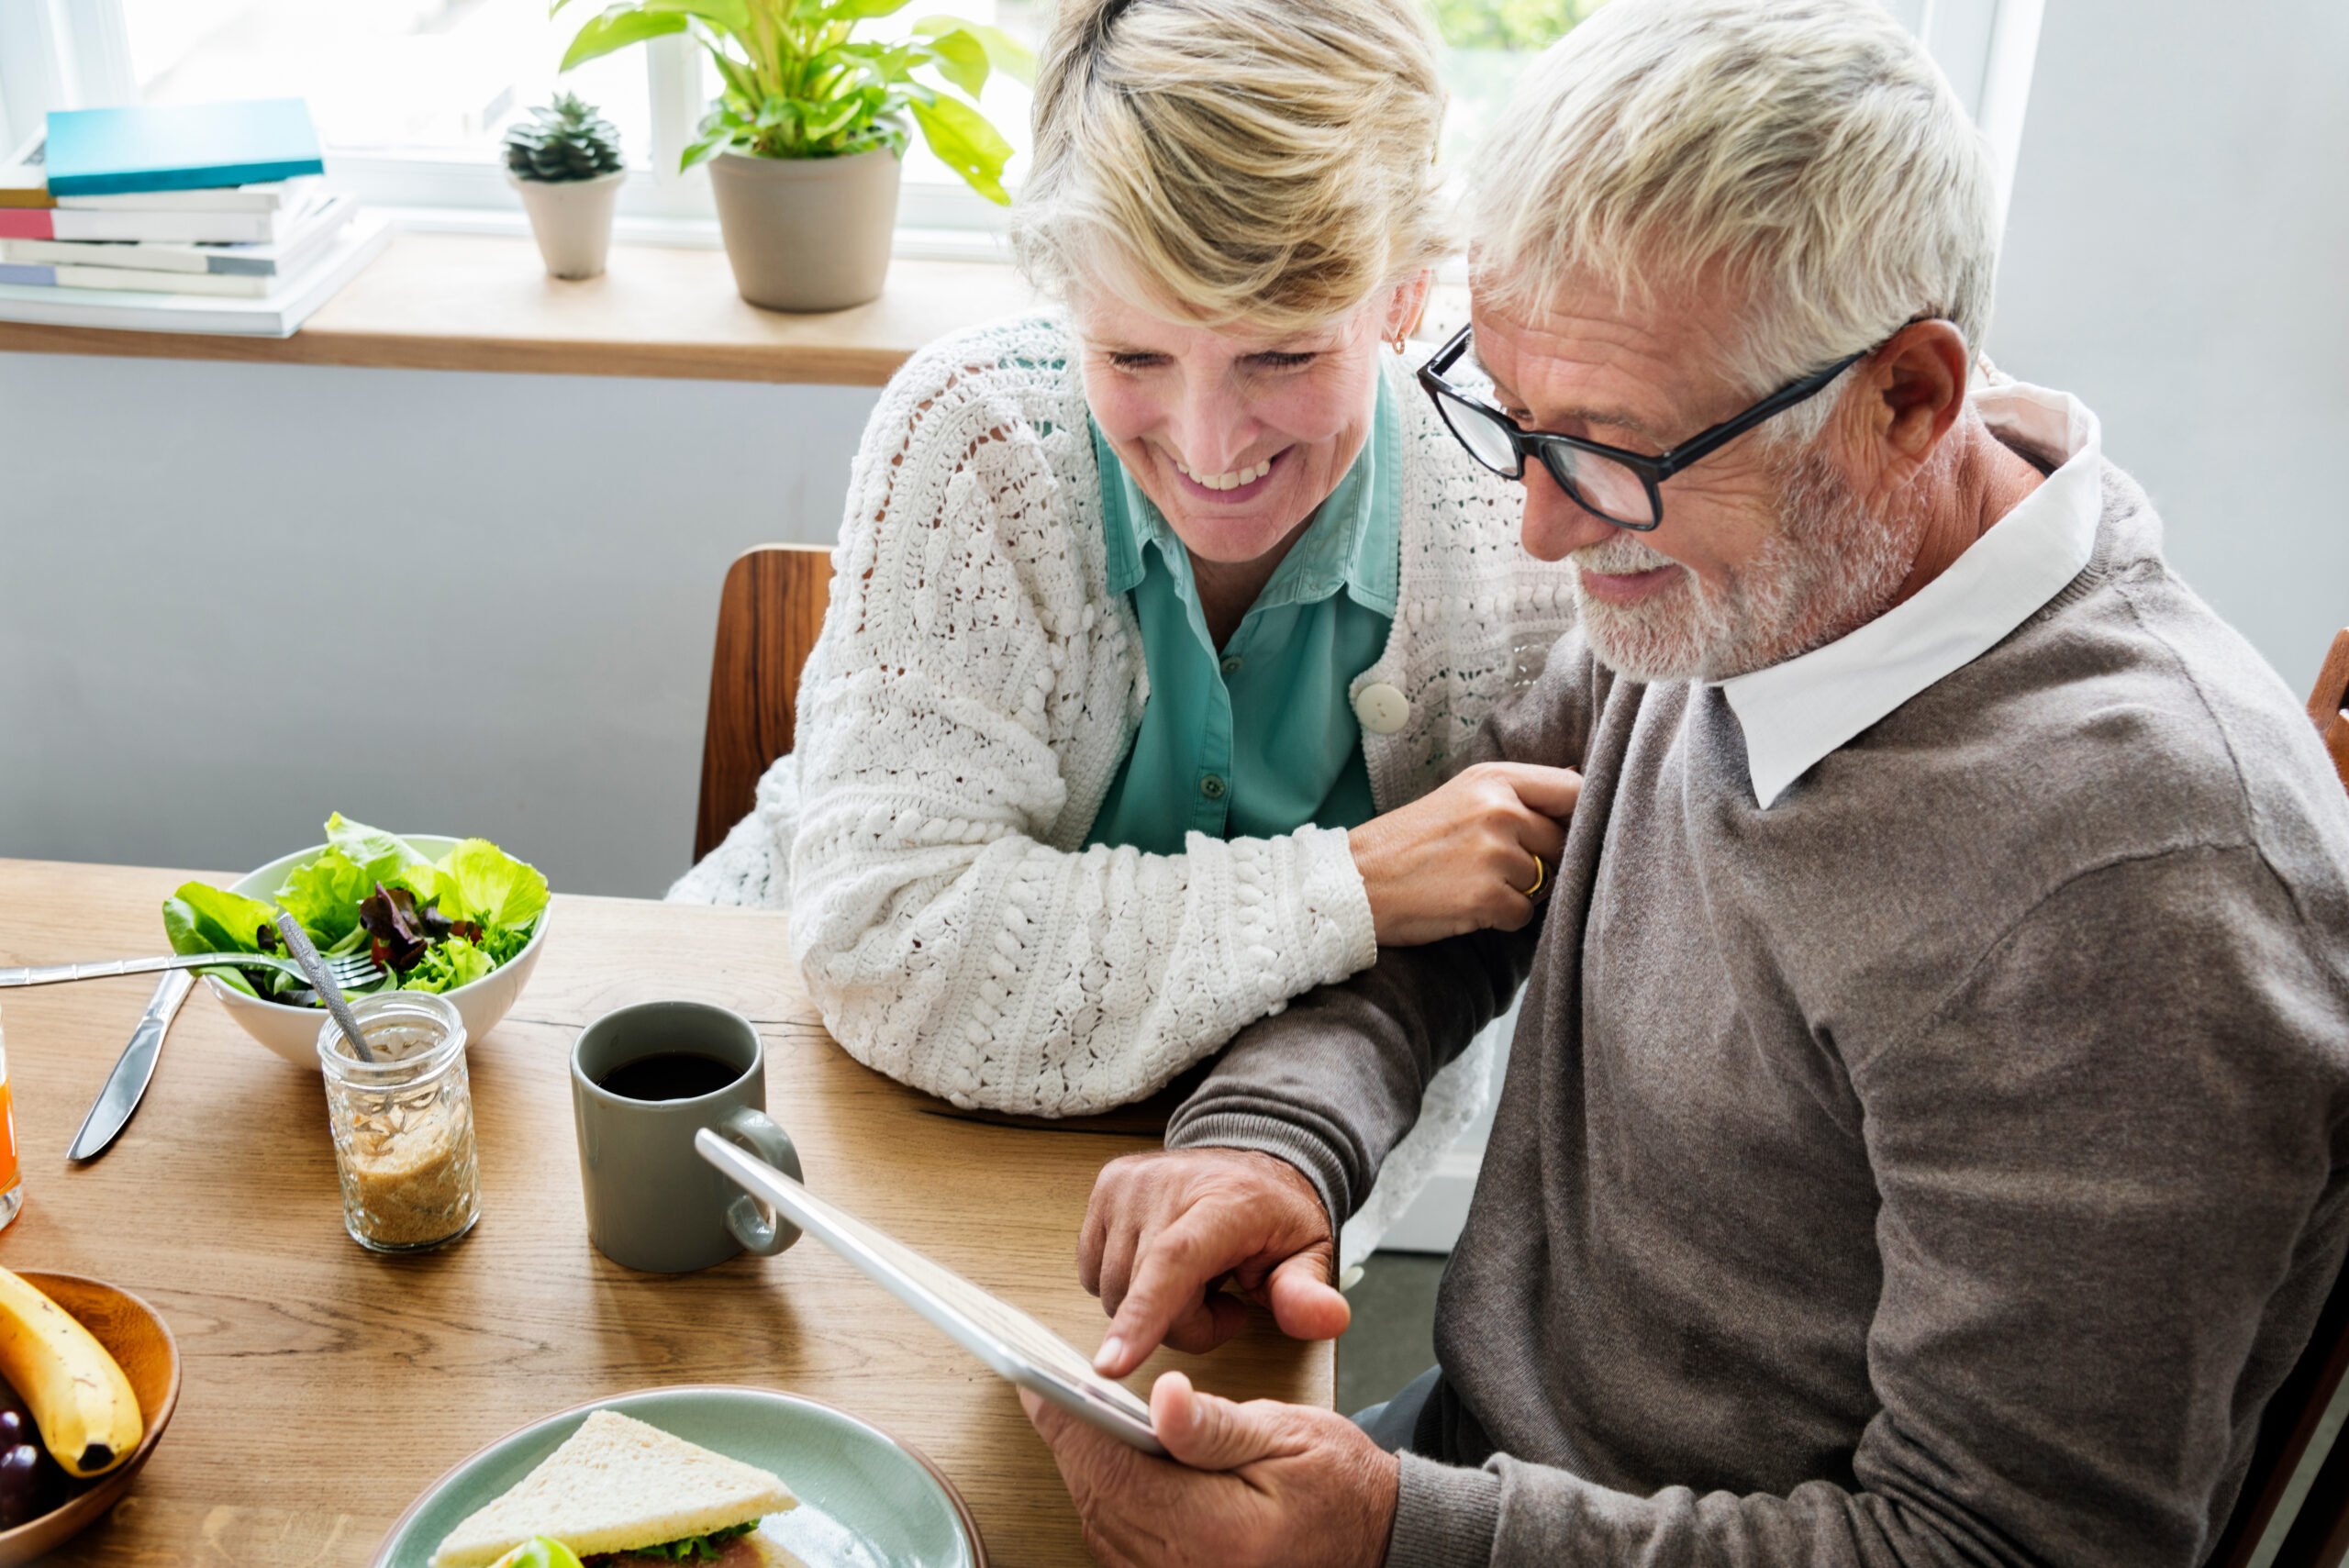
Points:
947	942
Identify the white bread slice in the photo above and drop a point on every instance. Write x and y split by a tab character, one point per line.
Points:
615	1484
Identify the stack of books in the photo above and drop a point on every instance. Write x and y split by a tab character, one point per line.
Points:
207	218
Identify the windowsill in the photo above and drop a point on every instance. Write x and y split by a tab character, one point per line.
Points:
477	302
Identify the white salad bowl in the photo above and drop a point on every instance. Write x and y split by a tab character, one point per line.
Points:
293	1032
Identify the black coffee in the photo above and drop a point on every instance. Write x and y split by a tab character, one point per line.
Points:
669	1076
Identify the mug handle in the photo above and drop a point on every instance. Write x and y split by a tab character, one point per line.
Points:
760	1232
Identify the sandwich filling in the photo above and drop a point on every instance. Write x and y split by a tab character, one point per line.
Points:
725	1547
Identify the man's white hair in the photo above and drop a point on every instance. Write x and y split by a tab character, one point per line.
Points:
1807	155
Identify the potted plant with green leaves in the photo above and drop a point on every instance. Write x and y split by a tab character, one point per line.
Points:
565	159
804	138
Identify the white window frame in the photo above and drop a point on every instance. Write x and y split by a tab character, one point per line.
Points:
1986	48
75	53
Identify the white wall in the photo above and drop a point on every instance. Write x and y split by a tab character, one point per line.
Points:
505	587
2177	254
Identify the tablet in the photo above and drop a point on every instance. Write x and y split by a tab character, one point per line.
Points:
1013	1345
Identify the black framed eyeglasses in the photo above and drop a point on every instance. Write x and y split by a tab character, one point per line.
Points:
1614	486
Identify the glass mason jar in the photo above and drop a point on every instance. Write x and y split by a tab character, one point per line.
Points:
403	1123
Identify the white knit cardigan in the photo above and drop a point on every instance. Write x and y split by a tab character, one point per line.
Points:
970	699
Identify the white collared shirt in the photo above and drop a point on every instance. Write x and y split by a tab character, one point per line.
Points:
1796	712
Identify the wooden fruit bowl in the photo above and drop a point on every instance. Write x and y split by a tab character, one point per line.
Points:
137	1337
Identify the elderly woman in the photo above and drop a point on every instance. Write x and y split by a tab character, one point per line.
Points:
1155	621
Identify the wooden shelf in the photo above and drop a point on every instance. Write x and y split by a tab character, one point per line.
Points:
471	303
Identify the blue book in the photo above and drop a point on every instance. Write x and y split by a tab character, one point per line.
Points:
179	147
19	272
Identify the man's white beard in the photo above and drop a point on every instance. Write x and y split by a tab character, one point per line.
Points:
1830	567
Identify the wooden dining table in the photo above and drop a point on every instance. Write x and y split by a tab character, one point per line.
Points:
325	1387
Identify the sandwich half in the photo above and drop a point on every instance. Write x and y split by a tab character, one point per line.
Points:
617	1485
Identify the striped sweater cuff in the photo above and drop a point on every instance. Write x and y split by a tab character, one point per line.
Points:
1270	1135
1445	1516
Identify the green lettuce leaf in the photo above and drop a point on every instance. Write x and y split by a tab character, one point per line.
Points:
504	942
446	965
429	883
492	886
200	917
324	895
693	1548
381	855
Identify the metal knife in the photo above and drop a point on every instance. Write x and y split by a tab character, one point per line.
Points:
111	1110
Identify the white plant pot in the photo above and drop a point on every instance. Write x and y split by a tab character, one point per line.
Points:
573	221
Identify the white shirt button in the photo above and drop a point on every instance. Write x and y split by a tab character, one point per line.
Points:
1382	709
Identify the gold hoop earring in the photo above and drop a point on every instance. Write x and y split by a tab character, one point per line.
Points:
1403	333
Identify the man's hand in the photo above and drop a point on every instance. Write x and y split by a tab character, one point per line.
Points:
1261	1484
1164	1230
1461	858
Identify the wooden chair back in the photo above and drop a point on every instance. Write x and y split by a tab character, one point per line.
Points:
2329	704
2317	1532
768	616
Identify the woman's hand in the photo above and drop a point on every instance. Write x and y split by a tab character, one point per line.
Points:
1461	858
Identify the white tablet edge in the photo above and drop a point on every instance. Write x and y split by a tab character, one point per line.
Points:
927	1288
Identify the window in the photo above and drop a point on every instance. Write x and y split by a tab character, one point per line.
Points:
414	78
1487	43
1984	47
413	96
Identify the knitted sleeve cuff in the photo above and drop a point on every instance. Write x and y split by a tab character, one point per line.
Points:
1281	1139
1333	896
1445	1516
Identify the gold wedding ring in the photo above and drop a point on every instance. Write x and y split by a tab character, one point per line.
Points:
1541	871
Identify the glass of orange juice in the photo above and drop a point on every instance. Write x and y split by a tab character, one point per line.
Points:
12	1191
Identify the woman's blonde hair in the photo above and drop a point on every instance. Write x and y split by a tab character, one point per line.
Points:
1266	161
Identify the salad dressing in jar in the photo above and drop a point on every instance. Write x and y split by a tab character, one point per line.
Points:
403	1124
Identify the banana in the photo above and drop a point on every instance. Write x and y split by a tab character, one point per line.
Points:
84	1407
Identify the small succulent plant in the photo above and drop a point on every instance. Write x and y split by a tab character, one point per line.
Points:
569	139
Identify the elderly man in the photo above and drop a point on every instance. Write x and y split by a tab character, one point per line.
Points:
1921	1141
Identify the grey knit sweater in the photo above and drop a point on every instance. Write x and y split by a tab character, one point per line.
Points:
1941	1166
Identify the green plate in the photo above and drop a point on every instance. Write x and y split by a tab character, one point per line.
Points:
865	1499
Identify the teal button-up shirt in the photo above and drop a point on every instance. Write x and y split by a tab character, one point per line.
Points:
1259	738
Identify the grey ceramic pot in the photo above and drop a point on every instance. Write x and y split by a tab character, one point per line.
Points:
807	233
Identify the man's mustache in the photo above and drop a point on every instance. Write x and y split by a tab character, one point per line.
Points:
1620	557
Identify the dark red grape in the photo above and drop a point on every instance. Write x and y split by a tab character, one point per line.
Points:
31	1483
22	1494
16	1419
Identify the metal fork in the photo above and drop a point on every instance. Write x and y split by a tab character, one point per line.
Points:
352	971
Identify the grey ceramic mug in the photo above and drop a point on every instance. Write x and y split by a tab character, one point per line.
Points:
653	1203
